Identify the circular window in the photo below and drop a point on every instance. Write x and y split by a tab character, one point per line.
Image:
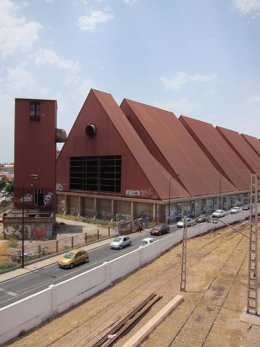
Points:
91	130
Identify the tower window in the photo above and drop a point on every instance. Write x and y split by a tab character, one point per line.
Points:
35	111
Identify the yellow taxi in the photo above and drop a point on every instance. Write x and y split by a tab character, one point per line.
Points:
73	258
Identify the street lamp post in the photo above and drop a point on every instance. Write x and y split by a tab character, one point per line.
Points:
220	192
33	176
169	205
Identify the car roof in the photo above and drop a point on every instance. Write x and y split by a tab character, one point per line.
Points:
147	239
75	250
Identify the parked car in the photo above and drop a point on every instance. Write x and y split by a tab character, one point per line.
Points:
218	214
189	222
160	229
147	241
201	218
73	258
246	207
121	241
235	209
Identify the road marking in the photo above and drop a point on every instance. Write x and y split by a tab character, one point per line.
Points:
8	292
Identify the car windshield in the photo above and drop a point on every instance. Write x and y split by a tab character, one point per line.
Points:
69	255
118	239
143	243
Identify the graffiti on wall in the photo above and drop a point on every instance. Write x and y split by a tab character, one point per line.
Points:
132	192
59	187
47	199
27	198
30	231
148	193
12	231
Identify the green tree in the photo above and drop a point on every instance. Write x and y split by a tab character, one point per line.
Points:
2	183
10	187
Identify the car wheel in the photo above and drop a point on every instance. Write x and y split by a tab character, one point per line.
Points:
120	247
71	266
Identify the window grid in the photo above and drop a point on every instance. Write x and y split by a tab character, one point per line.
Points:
101	174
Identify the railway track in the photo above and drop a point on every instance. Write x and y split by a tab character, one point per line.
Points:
207	293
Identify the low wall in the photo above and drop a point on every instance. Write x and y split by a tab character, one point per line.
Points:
28	313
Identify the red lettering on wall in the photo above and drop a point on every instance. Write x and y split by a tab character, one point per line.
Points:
39	233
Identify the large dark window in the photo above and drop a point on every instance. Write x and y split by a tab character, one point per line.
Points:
101	174
35	111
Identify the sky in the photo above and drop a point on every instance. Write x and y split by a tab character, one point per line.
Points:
198	58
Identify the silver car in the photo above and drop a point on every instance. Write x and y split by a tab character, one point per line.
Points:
189	222
218	214
121	241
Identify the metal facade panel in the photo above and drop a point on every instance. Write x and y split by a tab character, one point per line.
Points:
115	136
35	148
253	142
172	145
219	152
242	148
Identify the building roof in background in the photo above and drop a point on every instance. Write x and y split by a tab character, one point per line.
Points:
221	154
169	141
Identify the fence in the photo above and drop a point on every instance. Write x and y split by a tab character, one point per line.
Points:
37	249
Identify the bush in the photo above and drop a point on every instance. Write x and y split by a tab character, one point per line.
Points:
7	265
13	243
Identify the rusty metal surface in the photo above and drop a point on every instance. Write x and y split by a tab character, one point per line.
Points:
116	135
220	153
242	148
253	142
169	141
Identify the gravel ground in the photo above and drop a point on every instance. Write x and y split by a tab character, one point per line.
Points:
215	296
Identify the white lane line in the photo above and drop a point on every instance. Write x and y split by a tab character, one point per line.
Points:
8	292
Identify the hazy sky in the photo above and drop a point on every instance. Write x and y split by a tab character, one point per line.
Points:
200	58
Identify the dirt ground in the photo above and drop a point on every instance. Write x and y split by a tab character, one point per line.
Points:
215	296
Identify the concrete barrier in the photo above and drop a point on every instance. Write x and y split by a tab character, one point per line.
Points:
28	313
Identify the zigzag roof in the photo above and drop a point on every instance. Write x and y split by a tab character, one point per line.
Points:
175	148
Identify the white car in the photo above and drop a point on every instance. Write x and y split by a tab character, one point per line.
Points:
189	222
218	214
121	241
147	241
235	210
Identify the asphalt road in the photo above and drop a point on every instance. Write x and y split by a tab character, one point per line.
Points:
33	282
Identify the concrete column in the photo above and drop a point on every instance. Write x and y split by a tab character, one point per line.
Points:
132	209
95	204
154	212
112	207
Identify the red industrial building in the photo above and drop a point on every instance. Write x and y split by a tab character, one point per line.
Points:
135	160
124	162
34	169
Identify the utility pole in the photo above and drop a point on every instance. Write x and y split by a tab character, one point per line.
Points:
184	257
252	295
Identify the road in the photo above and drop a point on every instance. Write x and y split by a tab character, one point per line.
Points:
33	282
